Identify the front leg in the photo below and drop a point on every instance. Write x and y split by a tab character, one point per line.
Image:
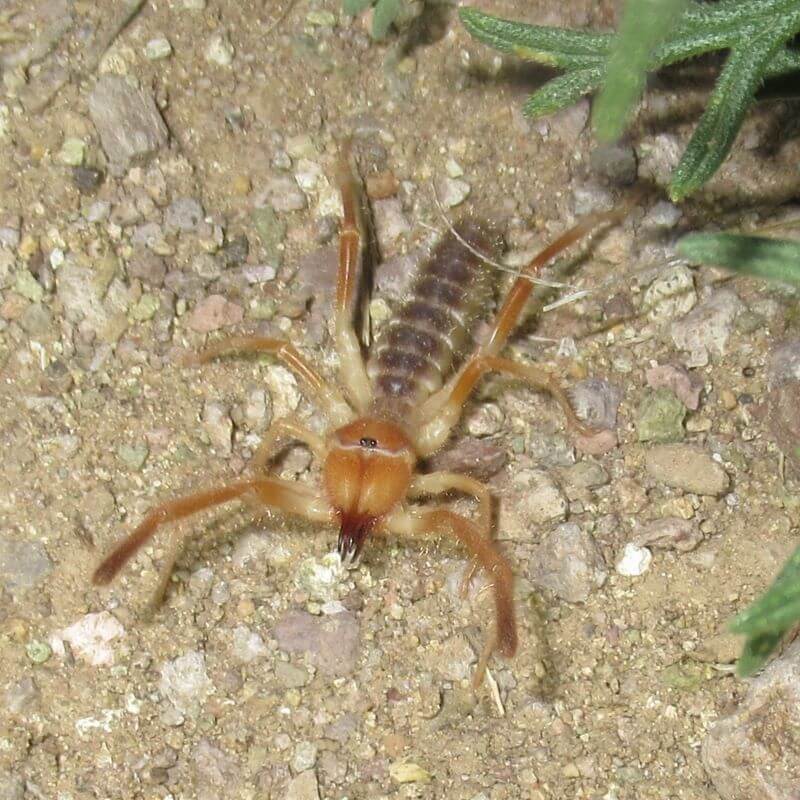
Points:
286	496
351	359
280	434
328	396
439	415
422	523
439	482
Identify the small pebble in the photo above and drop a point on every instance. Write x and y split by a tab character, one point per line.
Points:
248	646
485	420
452	192
133	455
634	561
219	50
91	636
659	417
185	682
669	533
158	48
408	772
568	563
671	294
303	787
73	152
685	385
217	423
215	312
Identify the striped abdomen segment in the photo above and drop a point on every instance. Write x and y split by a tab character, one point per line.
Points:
417	349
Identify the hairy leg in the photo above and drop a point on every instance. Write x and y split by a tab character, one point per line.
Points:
423	523
439	482
285	496
440	418
281	433
327	395
352	368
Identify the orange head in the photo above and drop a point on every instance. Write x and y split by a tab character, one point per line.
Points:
367	472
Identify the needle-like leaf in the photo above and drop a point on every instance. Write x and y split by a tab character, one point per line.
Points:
757	33
765	622
774	259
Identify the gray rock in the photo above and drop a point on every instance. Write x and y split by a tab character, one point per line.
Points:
706	329
784	364
217	423
669	533
185	682
128	121
584	475
596	401
20	697
662	215
248	646
283	194
215	767
148	267
390	221
303	787
569	563
684	467
541	501
184	214
754	753
331	642
477	457
22	564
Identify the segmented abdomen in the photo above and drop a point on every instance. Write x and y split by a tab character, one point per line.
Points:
417	349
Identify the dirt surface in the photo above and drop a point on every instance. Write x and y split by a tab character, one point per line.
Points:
269	672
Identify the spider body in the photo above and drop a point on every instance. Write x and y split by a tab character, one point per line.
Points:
391	412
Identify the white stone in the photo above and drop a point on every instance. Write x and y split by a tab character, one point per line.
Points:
90	638
634	561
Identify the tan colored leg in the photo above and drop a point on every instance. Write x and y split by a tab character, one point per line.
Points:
439	482
422	523
520	290
285	496
281	433
352	368
329	397
438	419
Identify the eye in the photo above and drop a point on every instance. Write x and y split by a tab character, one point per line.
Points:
369	443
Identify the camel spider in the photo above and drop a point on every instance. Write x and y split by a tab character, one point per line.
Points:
397	408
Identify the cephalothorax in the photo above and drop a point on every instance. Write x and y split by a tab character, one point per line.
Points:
397	408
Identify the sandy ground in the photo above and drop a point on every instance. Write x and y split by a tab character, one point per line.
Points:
268	672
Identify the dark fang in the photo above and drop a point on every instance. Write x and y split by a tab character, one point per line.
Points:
352	535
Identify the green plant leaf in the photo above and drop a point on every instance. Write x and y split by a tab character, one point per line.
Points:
774	259
645	24
386	12
756	32
728	104
355	7
553	47
562	91
766	620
